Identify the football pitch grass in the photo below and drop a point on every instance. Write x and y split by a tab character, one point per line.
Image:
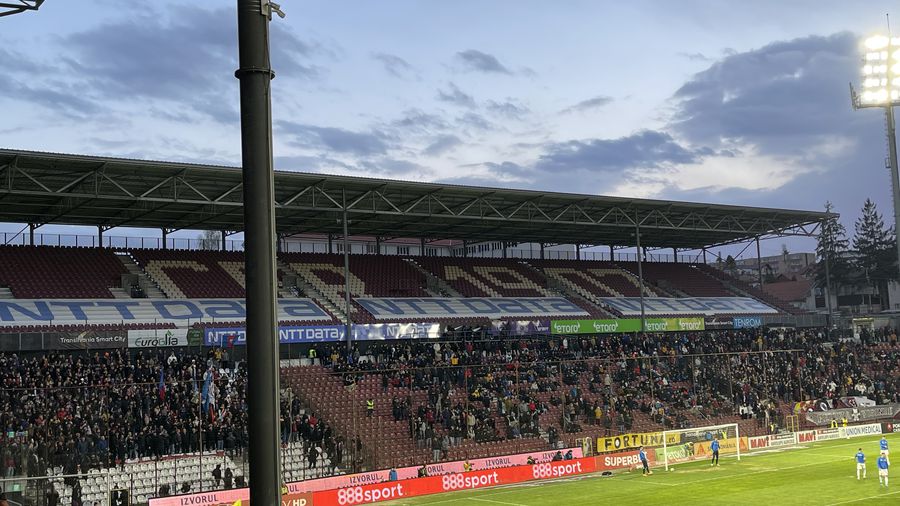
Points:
812	474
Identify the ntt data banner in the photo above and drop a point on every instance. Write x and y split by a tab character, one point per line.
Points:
178	311
570	327
426	308
631	306
237	336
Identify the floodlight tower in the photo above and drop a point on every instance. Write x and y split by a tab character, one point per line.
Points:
881	88
10	8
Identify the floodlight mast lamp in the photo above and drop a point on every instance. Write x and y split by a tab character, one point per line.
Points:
10	8
881	88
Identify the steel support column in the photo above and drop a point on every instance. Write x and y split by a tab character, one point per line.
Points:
347	322
759	264
895	172
263	389
640	265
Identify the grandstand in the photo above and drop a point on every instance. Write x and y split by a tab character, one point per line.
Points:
155	329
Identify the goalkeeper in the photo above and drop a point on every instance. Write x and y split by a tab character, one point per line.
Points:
715	451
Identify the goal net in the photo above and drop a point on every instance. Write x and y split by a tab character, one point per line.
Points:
686	445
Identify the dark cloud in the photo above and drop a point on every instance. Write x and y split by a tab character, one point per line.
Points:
335	139
56	97
645	149
509	109
474	121
395	66
477	61
189	59
781	98
586	105
456	96
441	145
419	122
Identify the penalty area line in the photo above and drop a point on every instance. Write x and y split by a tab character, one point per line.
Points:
864	498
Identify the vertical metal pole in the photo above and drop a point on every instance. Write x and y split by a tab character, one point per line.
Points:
347	321
421	246
827	291
224	238
759	274
640	263
263	390
895	170
165	238
704	256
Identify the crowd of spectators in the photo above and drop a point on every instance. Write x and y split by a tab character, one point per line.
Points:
674	379
72	412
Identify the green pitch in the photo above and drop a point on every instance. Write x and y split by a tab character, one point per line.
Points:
819	474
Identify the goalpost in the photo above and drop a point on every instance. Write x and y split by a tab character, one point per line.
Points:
687	445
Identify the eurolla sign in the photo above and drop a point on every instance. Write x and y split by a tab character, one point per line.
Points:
626	325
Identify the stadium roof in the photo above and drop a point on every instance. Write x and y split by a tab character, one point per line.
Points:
50	188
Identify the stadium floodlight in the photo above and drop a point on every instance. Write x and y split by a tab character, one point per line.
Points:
10	8
881	88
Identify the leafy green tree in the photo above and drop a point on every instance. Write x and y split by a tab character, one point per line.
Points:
874	260
832	243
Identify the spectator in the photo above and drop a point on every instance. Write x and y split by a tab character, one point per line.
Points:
217	475
229	476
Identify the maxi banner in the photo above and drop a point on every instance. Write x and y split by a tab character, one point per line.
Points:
709	306
570	327
18	312
426	308
628	441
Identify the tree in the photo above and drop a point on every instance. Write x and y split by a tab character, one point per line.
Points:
210	240
731	266
873	245
832	244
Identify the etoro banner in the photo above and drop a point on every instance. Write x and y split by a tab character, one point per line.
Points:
570	327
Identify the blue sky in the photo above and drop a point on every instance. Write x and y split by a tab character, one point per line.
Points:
714	101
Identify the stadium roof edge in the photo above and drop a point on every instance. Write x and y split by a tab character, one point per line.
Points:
44	188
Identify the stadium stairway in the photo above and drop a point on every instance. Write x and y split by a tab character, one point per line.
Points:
744	289
435	285
151	289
